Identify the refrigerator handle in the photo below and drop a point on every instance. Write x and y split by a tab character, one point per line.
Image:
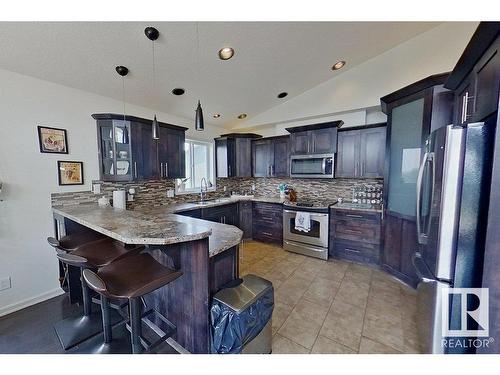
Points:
431	160
422	238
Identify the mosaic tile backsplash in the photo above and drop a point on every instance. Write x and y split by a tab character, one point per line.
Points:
153	193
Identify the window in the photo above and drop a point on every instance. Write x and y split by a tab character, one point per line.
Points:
199	164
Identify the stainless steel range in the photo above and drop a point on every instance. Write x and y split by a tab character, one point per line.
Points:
313	242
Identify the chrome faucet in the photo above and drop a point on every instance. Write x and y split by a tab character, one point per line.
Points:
203	192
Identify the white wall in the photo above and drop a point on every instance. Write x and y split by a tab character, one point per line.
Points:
29	176
361	87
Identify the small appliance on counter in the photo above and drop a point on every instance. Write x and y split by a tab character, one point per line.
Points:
314	242
119	199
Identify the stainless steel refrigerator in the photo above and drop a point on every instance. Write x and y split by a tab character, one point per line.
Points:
452	204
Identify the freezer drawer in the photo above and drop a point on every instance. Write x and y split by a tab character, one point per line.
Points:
429	308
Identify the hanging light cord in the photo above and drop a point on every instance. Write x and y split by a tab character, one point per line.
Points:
154	67
123	96
198	55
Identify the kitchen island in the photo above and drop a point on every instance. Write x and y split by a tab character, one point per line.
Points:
206	252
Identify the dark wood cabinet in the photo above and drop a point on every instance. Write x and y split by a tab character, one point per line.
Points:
476	77
225	214
245	218
267	222
314	139
361	152
271	157
233	154
171	160
412	113
355	235
128	152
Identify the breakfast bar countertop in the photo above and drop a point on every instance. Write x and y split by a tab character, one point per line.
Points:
152	226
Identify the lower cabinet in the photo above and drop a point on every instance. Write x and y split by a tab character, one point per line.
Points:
267	222
191	213
245	218
355	235
226	214
399	246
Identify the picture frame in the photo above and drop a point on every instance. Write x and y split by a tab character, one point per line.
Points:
52	140
70	172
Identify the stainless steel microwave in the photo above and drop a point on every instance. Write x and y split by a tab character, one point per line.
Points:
312	166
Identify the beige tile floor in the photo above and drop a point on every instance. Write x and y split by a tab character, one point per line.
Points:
333	306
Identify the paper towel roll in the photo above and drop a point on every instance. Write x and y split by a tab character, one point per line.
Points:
119	199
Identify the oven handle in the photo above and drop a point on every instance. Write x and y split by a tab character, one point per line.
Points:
312	213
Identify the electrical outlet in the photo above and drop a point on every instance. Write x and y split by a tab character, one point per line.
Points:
96	188
5	283
224	189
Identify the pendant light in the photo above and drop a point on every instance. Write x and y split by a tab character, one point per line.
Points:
198	123
122	72
153	34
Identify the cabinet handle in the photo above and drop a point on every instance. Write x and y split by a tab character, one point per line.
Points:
351	250
161	170
267	234
229	173
464	109
224	219
356	216
135	169
272	170
166	170
352	231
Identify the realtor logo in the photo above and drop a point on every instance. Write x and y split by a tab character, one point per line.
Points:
473	305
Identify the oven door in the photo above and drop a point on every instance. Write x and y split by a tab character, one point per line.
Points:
318	235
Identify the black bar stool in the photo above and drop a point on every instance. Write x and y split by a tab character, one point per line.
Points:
94	254
132	278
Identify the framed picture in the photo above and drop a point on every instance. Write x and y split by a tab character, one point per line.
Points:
70	172
52	140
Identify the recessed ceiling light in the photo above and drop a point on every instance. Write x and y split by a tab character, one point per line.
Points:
242	116
281	95
226	53
178	91
216	115
338	65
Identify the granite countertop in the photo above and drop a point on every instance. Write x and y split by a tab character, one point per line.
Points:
186	206
152	226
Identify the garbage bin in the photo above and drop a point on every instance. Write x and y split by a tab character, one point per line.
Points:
241	317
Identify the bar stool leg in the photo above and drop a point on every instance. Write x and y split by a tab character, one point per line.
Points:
87	298
106	321
135	323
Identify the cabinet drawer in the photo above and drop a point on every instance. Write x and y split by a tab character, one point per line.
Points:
356	215
356	230
357	251
265	233
267	212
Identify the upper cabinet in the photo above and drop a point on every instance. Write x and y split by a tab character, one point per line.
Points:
128	152
314	139
476	77
271	157
361	152
412	113
233	153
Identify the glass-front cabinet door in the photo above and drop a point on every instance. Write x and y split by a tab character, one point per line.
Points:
405	154
116	155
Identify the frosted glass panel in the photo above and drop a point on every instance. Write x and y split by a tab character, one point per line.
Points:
406	139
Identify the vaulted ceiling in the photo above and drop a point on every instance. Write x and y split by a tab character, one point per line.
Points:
270	57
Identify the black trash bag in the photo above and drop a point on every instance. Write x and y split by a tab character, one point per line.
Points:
231	331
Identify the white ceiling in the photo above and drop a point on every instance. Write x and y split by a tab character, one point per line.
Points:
270	57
